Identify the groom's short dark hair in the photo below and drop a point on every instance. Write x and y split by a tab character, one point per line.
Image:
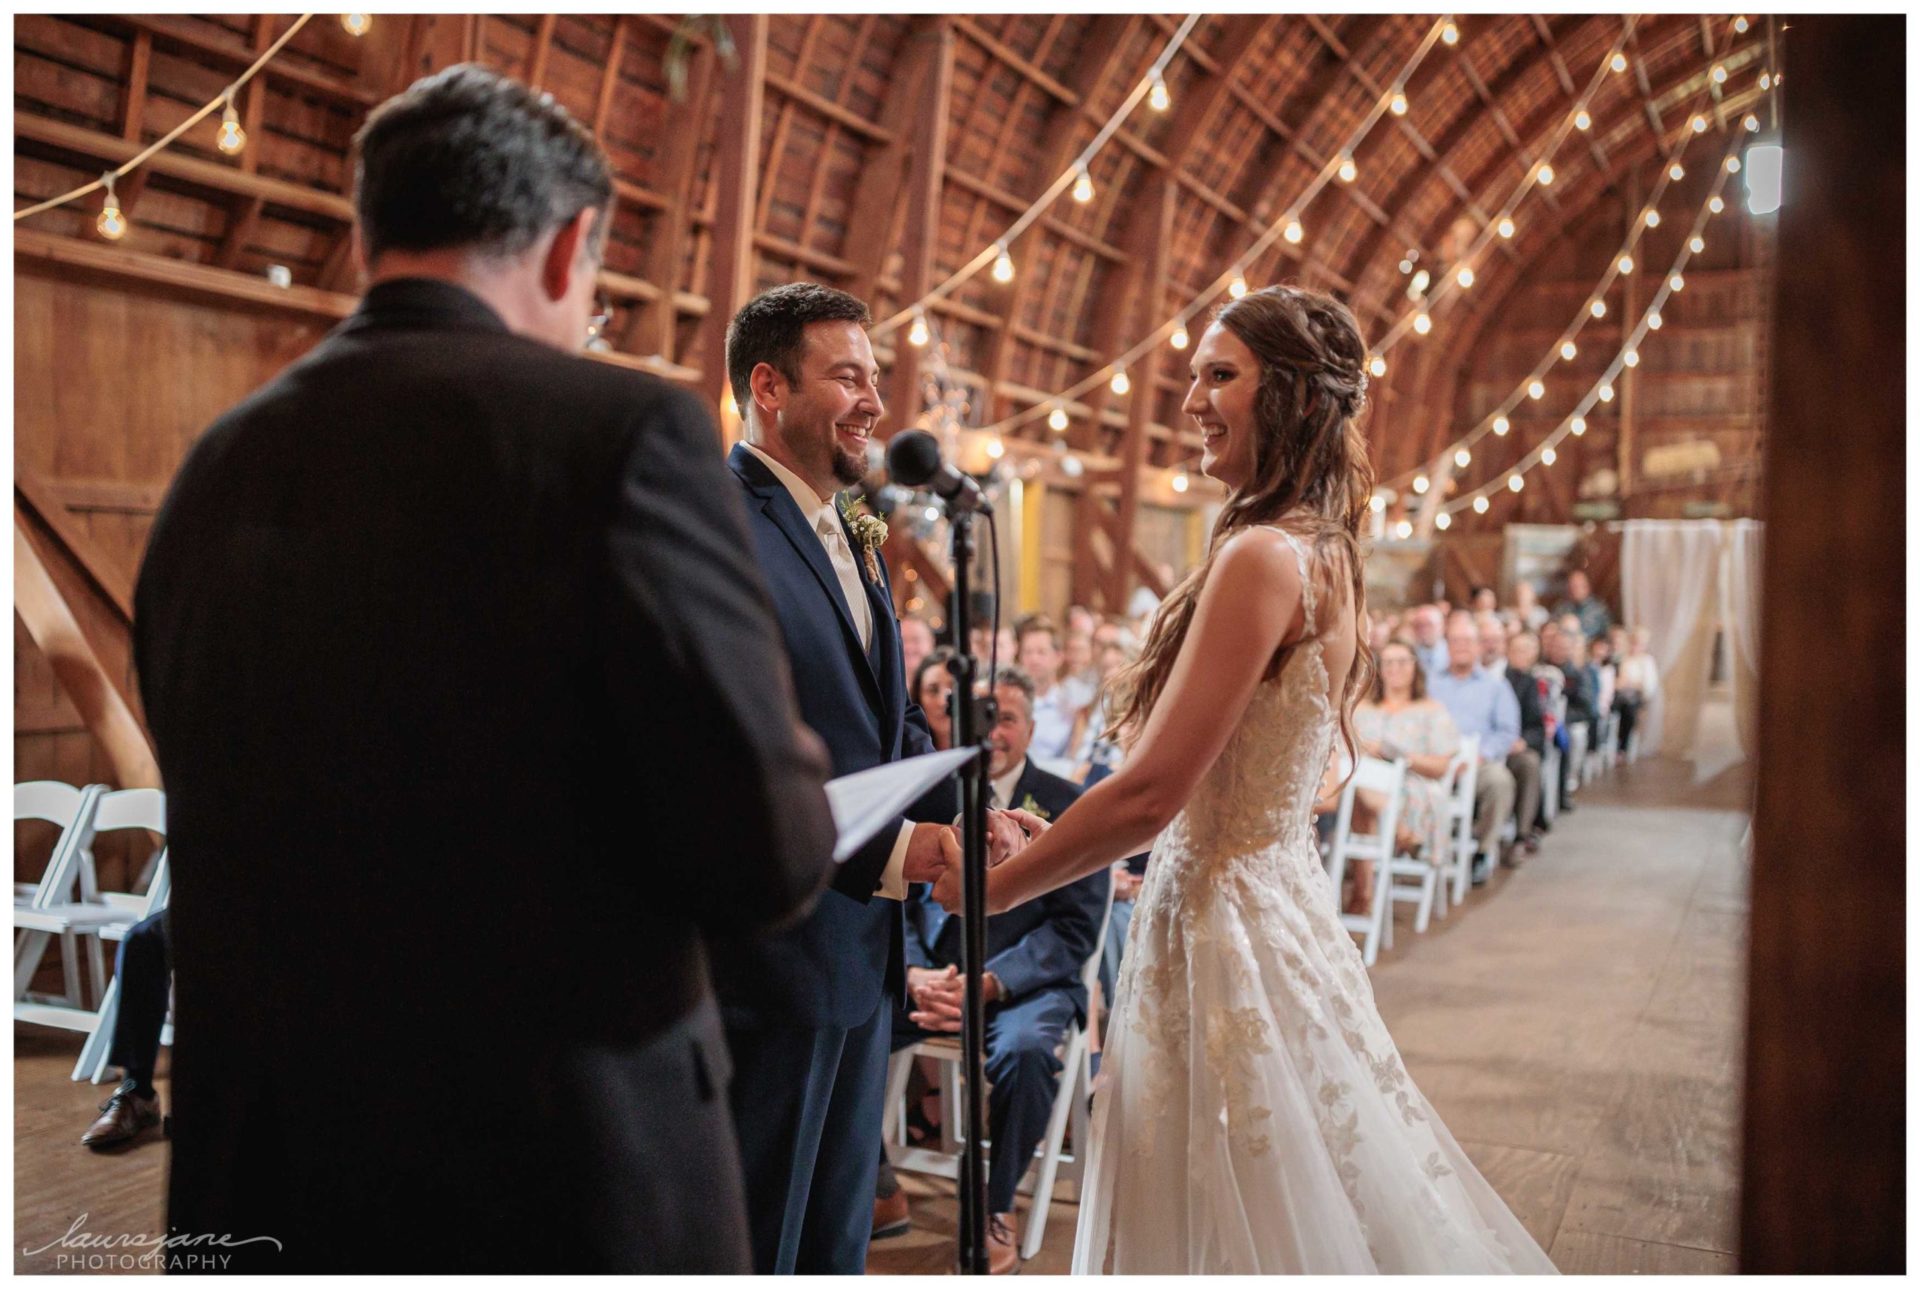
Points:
466	157
771	328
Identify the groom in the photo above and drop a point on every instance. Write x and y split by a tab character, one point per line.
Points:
808	1012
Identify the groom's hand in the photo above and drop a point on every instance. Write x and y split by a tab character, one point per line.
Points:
1005	837
926	857
947	892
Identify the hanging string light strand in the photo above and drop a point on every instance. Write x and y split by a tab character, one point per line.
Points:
219	101
997	254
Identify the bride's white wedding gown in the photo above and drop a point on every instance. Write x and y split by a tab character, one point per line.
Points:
1256	1115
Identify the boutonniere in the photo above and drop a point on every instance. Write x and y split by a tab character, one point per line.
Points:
870	531
1032	807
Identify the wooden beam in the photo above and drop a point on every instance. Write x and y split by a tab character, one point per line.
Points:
1159	198
973	183
610	77
207	174
736	179
32	490
878	189
234	53
134	99
542	47
931	52
656	330
851	120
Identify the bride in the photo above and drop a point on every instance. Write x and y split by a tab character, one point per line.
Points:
1257	1117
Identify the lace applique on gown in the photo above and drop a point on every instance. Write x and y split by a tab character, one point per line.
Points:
1257	1117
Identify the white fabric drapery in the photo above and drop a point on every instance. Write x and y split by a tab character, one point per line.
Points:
1740	619
1682	579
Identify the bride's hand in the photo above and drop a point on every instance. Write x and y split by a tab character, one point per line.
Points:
1032	823
948	888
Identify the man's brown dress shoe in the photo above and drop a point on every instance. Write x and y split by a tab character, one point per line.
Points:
125	1116
1003	1245
890	1215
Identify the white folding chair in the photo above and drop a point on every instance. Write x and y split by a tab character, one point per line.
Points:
1556	707
94	912
1577	739
94	1053
1385	778
1059	1170
1463	782
72	810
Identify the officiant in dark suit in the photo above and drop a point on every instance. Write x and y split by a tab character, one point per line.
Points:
808	1011
474	719
1035	955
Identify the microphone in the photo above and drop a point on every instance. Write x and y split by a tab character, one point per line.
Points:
913	461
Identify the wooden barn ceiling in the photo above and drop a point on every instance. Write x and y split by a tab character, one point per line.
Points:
796	148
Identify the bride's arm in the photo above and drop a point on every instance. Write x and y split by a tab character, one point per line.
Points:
1250	607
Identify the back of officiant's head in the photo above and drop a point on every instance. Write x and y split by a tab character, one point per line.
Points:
471	176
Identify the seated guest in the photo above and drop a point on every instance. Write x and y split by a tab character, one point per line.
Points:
1483	600
1396	721
1605	673
1523	761
1077	674
1035	954
1038	642
1527	609
1097	753
1080	621
1481	705
143	968
1561	648
1593	615
1636	684
1429	638
1381	628
932	682
916	642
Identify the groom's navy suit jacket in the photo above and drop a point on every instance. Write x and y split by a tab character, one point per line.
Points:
831	968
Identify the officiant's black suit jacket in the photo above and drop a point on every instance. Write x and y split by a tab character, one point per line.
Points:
473	718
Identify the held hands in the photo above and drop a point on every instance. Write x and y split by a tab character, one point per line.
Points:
939	997
1018	827
928	857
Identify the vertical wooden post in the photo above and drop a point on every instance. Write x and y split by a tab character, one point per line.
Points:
1158	197
1823	1164
736	180
923	215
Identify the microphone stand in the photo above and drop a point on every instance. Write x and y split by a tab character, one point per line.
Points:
973	717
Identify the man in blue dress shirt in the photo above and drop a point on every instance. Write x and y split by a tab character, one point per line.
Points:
1481	704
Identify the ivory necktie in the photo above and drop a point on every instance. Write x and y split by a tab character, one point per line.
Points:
834	537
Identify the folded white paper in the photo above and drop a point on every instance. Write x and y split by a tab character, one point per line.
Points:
864	803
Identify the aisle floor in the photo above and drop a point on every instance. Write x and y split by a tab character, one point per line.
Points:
1576	1025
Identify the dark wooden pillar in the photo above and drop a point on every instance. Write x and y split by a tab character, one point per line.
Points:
1824	1163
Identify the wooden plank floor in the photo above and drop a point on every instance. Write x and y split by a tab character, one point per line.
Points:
1576	1025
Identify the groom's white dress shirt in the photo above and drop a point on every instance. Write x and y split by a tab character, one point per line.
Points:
826	525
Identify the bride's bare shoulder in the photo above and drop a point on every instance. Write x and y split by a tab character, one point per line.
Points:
1258	559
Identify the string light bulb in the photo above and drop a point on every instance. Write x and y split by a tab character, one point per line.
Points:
1057	420
1606	393
1501	425
1515	482
1654	320
996	447
1752	123
1716	205
1548	456
1157	98
1578	426
1505	228
1397	104
1546	175
1003	267
1740	24
918	335
1766	81
1568	350
357	24
1348	170
1422	322
1180	480
111	223
1697	245
1719	74
1180	339
1237	287
1631	358
1676	283
1676	172
1377	366
1462	458
1626	264
1420	282
1450	35
1443	520
1120	384
1376	503
1581	121
1403	530
1294	232
1653	218
1480	505
1733	165
1598	308
232	137
1536	390
1618	62
1464	277
1420	484
1083	187
1699	124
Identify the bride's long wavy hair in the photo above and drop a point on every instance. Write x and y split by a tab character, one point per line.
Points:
1310	474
